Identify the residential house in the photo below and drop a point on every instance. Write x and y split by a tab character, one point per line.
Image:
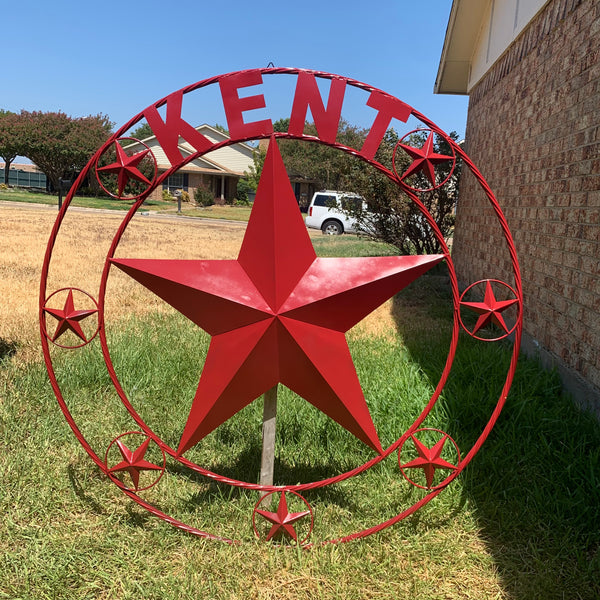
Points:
219	170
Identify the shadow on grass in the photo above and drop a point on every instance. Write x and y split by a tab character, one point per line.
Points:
535	484
248	462
7	349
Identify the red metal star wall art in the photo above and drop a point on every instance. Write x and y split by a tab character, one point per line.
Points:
278	313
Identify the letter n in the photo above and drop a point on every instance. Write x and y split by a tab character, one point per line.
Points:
307	94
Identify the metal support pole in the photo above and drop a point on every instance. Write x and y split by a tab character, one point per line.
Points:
268	435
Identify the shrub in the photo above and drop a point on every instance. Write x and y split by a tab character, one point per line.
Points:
243	188
3	187
185	197
166	195
203	196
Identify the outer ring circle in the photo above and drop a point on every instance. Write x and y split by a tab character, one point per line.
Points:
291	71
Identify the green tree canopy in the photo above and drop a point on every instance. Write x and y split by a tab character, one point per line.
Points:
11	144
61	145
392	216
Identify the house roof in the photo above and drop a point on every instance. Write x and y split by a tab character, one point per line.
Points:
463	28
478	34
234	159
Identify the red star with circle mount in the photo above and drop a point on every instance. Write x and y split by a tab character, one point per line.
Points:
134	462
277	314
490	309
424	159
429	459
68	318
126	168
283	519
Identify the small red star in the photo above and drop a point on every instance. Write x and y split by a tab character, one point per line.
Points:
125	168
429	459
133	462
282	519
489	310
68	318
424	159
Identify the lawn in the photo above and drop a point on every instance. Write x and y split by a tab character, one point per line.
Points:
520	523
233	213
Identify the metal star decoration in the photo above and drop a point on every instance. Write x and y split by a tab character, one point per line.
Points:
277	314
126	168
283	519
68	318
429	459
490	309
424	159
134	462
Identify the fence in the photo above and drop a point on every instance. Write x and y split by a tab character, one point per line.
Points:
20	178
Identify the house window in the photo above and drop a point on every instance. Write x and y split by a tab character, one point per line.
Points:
178	181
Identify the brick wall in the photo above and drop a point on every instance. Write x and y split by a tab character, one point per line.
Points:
533	130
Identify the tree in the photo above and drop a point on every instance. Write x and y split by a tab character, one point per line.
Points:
10	139
392	216
142	132
61	145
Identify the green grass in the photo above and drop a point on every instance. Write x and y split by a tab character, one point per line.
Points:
521	522
235	213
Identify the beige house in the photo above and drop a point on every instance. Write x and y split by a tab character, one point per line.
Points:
219	170
531	69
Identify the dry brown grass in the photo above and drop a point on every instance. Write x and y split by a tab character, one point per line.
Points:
78	259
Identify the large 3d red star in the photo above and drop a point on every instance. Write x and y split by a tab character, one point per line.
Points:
134	462
68	318
283	519
429	459
126	168
277	313
490	309
424	159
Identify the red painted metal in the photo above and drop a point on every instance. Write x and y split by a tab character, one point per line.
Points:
126	168
295	294
424	161
134	461
278	314
429	459
490	310
283	521
68	318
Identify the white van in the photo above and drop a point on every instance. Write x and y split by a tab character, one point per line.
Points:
325	212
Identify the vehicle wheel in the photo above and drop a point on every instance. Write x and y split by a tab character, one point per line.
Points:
332	228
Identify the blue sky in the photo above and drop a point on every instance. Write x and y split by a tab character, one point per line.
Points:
117	57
